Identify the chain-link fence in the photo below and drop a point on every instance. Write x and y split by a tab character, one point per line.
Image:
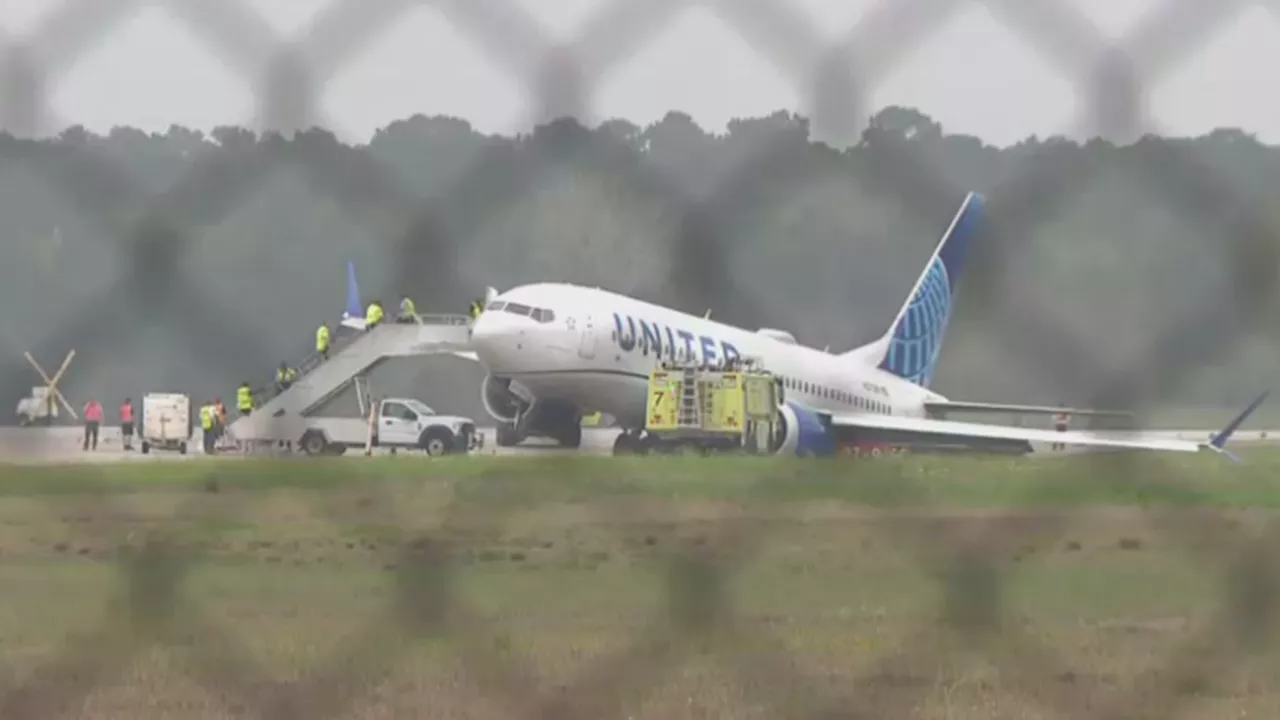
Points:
1110	78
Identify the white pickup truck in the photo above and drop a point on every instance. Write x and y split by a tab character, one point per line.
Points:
400	423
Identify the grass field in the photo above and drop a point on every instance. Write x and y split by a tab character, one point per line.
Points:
653	588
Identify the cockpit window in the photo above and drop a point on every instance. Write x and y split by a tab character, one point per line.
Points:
541	315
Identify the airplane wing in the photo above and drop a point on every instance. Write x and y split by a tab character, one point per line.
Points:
977	407
969	433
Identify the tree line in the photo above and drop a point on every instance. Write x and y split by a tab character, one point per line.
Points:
189	262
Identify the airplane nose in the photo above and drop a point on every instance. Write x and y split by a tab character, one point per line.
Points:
491	333
482	329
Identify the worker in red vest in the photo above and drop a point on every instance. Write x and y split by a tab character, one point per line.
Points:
126	424
92	419
219	420
1060	422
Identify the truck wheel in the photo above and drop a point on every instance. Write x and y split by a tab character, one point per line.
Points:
436	441
313	443
146	447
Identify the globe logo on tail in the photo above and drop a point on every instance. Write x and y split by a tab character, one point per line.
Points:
917	339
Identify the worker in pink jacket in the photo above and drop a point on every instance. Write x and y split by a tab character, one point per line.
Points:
92	421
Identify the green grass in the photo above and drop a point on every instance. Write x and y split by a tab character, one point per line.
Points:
648	588
973	482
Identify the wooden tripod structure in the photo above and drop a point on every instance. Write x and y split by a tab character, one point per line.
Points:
52	383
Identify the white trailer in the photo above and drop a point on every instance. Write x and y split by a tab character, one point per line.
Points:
398	423
38	409
166	422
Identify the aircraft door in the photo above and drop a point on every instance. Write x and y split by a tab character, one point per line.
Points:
399	424
587	338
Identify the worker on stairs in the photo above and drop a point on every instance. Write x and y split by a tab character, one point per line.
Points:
477	307
408	312
285	376
322	341
373	315
244	399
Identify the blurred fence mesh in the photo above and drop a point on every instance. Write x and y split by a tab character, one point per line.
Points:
287	76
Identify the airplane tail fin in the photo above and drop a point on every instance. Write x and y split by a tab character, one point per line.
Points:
354	310
911	346
353	316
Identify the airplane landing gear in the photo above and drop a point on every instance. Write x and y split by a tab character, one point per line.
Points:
632	442
570	436
562	423
507	435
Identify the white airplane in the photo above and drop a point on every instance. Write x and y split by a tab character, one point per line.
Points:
555	351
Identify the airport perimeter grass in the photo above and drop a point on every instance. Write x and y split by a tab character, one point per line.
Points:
651	588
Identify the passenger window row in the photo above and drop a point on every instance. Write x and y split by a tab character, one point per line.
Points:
845	398
541	315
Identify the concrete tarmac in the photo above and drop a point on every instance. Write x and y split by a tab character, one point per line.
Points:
60	445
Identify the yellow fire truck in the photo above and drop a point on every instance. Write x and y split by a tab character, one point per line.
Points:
712	409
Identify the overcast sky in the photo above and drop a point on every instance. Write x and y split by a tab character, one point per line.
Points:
478	59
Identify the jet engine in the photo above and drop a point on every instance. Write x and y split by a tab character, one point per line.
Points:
499	401
803	433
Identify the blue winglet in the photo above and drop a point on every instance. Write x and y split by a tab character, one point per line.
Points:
353	293
1219	440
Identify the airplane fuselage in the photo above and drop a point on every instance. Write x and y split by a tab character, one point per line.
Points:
554	351
595	349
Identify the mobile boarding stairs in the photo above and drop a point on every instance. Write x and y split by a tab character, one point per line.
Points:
354	352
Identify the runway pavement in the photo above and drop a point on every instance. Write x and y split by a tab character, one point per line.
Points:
59	445
63	445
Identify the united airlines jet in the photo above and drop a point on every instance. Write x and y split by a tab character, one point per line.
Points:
554	351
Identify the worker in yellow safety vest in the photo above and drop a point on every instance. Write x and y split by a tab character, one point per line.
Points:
244	399
373	315
408	312
477	307
285	376
322	341
206	424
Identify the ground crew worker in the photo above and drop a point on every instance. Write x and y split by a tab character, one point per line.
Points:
322	341
373	315
92	420
477	307
206	425
126	424
1060	422
220	419
285	376
244	399
408	312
